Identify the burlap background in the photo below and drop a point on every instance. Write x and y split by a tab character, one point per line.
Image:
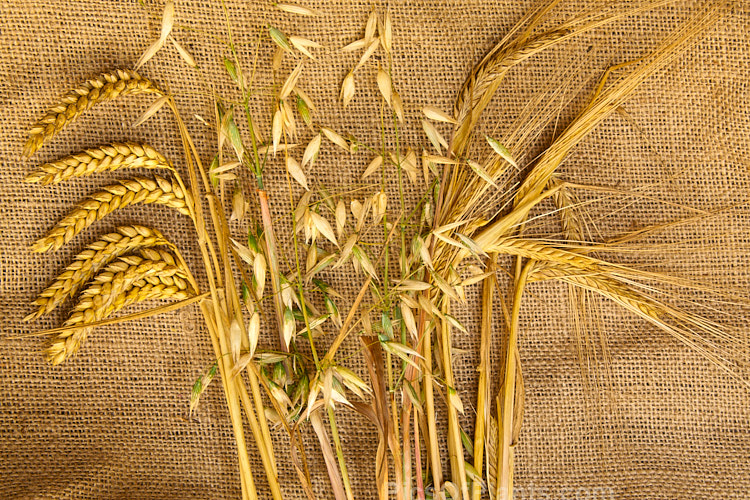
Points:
112	422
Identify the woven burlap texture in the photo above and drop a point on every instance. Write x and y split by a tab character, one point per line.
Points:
112	422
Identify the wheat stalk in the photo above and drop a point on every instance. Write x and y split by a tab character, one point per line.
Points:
129	191
87	263
109	293
106	86
113	156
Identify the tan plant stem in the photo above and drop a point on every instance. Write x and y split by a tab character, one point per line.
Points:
340	454
483	392
218	328
399	456
429	397
260	438
406	484
344	331
273	265
113	321
504	487
418	459
260	426
246	475
410	377
325	446
455	446
258	400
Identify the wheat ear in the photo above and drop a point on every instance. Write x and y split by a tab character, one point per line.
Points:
105	87
66	344
157	254
109	293
87	263
136	190
113	156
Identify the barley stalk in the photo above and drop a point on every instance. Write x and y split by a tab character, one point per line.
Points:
484	368
129	191
113	156
105	87
87	263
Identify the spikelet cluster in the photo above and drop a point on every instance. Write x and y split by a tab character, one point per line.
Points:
72	105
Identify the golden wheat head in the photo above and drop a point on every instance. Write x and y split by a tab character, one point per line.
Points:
115	156
127	192
87	263
105	87
128	280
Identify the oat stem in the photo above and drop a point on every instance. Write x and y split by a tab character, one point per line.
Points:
340	453
432	438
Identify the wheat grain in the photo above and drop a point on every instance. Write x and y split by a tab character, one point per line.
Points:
100	159
120	274
87	263
157	254
67	343
136	190
105	87
113	289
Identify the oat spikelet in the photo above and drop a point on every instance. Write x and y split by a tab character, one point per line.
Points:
120	284
114	156
105	87
136	190
87	263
